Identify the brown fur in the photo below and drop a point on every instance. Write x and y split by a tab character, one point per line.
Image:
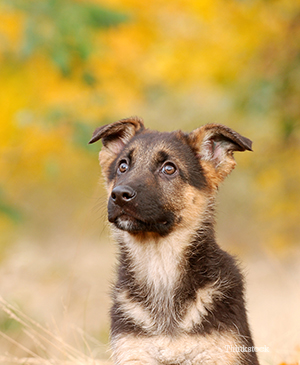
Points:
178	298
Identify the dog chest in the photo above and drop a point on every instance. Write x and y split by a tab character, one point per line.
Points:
147	295
182	350
153	295
179	297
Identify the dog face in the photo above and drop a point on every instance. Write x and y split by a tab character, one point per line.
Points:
149	179
157	181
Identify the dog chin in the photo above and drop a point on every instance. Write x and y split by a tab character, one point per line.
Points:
126	224
135	226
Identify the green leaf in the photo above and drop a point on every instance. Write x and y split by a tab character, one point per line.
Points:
10	212
64	29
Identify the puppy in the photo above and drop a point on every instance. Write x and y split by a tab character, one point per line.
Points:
178	298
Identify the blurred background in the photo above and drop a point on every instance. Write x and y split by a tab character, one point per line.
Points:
69	66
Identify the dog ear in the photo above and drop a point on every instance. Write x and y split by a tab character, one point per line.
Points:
117	134
114	137
214	145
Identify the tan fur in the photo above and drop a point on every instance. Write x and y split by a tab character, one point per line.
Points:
215	173
134	310
197	310
157	259
129	126
158	262
184	350
157	265
106	157
201	306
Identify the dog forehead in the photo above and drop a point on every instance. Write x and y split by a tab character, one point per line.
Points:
149	149
157	145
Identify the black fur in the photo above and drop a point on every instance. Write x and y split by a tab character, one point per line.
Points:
193	173
206	264
147	201
155	218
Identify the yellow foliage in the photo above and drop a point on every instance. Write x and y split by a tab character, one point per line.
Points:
11	27
178	62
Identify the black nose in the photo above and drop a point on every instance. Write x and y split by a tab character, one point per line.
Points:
122	194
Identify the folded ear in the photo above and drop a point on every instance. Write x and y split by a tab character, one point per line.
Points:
214	145
114	137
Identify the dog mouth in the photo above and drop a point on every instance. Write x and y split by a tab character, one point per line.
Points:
122	214
133	223
131	219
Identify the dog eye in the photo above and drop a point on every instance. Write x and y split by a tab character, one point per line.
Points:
123	167
169	168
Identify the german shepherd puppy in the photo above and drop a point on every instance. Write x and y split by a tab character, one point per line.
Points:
178	298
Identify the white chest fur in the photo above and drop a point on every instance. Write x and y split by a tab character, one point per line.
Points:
213	349
158	267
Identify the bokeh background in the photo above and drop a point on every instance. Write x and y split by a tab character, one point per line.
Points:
68	66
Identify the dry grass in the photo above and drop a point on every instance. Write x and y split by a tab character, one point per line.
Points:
50	348
66	287
56	302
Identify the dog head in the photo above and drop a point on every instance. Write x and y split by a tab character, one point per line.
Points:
157	181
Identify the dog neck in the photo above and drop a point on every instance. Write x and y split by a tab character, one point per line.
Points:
153	262
159	273
155	259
